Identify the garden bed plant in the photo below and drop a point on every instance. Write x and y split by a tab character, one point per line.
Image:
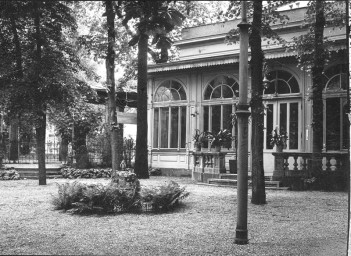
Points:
9	174
122	194
73	173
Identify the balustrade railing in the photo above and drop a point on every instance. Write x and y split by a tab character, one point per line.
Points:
301	163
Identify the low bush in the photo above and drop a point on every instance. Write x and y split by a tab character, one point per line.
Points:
72	173
165	197
155	172
9	174
122	194
68	194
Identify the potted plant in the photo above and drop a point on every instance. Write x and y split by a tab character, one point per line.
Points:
279	139
220	139
196	138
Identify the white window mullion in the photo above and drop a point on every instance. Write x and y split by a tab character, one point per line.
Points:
159	129
169	127
179	127
288	122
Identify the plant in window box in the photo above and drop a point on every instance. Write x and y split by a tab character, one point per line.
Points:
196	138
222	138
279	139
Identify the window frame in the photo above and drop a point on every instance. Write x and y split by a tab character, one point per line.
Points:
276	100
211	102
169	105
334	93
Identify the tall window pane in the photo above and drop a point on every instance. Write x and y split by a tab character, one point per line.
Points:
333	124
182	127
216	118
227	124
269	125
293	126
283	117
206	117
174	127
227	121
164	127
346	129
156	124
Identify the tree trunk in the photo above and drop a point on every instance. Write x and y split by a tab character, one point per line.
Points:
80	147
257	109
141	154
13	154
40	136
110	78
63	149
41	113
19	75
317	88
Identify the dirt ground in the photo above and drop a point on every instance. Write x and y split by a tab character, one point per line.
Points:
291	223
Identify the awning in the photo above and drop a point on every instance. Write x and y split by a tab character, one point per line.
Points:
222	60
198	63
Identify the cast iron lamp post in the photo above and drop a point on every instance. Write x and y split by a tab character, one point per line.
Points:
243	115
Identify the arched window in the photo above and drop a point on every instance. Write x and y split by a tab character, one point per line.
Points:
336	78
169	91
169	118
335	127
282	112
222	87
281	82
217	116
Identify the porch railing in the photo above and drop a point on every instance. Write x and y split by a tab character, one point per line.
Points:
300	163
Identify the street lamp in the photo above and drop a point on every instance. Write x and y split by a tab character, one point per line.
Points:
242	115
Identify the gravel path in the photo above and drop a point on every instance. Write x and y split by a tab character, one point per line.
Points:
291	223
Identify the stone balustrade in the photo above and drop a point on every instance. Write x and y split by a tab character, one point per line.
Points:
208	165
301	163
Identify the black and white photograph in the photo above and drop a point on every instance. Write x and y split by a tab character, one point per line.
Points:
175	128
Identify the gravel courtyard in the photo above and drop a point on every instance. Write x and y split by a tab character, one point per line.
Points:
291	223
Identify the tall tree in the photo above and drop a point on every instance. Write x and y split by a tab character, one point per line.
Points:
257	108
49	71
40	109
318	86
99	38
262	18
111	89
155	20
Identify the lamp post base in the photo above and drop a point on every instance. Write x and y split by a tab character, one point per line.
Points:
241	236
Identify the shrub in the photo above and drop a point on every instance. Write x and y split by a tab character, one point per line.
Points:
165	197
9	174
122	194
109	198
68	194
72	173
155	172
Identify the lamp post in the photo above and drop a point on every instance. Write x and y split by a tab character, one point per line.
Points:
243	115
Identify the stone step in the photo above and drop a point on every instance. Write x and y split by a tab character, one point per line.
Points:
228	176
272	183
232	182
235	186
33	173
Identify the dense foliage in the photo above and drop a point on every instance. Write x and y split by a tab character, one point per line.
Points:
122	194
